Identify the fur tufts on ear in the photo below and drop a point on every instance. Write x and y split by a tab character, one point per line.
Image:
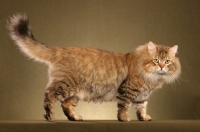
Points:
174	49
151	47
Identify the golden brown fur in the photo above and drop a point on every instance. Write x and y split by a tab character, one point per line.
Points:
94	75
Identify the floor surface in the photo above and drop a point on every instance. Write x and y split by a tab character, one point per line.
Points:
101	126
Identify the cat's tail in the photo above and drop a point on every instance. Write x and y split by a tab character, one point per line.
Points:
20	32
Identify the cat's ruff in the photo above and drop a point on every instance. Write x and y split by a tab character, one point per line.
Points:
81	73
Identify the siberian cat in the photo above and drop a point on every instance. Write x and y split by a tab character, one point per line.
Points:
94	75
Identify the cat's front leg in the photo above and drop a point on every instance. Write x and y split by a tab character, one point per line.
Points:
123	106
125	97
141	111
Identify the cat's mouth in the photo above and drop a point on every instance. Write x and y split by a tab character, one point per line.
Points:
162	72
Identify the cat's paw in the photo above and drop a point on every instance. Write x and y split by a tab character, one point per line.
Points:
145	118
76	118
124	118
142	116
48	118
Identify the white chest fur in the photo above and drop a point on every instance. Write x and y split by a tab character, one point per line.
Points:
143	96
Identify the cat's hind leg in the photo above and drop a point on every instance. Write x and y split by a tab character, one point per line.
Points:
68	108
55	91
49	101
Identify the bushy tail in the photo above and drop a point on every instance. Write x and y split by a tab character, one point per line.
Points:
20	32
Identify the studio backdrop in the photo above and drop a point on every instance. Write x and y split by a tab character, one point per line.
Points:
114	25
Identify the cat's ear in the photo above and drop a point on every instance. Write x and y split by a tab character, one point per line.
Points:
174	49
151	47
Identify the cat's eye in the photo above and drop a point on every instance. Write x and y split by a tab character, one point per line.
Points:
167	61
155	60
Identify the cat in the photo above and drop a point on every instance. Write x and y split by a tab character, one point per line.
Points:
95	75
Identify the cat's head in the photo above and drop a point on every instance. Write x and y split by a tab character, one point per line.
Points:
158	62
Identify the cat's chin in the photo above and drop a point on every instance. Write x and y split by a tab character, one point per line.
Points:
162	73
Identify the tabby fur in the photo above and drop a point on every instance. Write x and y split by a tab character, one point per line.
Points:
95	75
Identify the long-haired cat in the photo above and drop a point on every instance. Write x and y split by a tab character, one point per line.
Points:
94	75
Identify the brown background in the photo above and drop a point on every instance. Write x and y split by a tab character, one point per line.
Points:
115	25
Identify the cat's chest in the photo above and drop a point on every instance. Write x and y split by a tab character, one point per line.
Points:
153	85
143	96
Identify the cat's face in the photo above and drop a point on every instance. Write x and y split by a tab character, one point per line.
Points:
160	61
161	65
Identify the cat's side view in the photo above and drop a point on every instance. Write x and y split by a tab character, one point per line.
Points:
94	75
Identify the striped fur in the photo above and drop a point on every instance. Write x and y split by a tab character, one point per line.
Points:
94	75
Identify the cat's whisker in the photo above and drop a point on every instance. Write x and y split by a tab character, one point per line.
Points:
183	79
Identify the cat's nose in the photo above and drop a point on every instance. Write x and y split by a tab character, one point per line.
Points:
161	66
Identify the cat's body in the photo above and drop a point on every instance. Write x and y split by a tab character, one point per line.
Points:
94	75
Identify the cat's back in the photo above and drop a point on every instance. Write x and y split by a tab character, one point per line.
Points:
86	55
100	64
80	51
102	58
